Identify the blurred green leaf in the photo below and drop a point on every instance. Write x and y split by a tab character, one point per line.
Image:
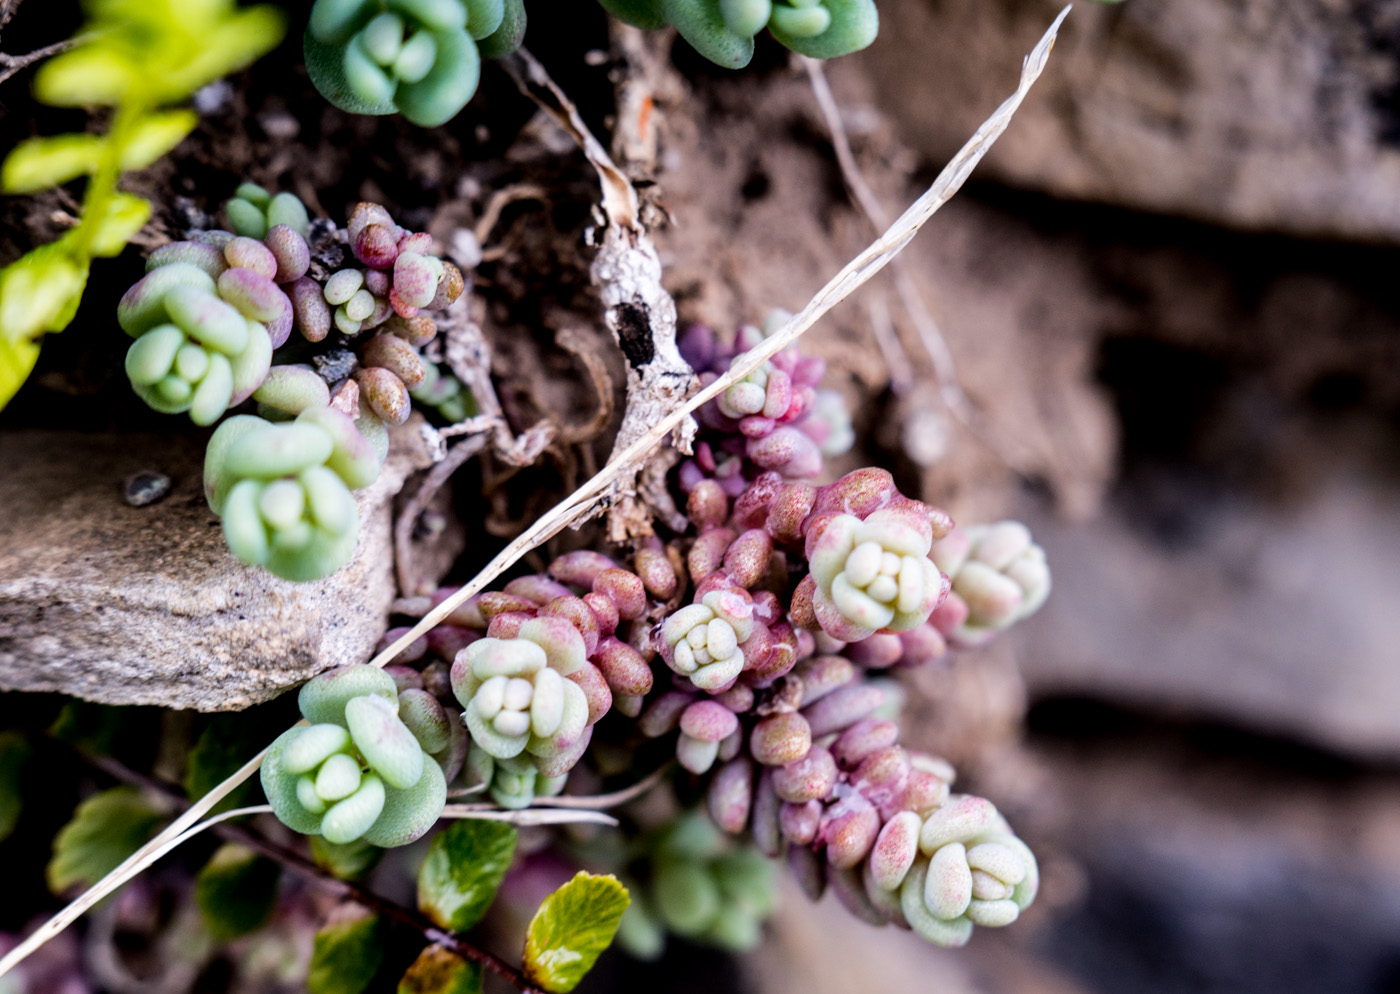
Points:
14	750
39	163
345	957
17	361
122	216
86	76
224	746
464	866
571	928
236	891
40	291
440	971
106	829
156	135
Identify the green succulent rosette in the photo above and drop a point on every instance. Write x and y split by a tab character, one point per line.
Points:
418	58
700	885
365	767
283	490
253	211
723	30
195	351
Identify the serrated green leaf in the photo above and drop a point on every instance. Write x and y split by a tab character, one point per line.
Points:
349	861
106	829
464	866
39	163
345	957
236	891
14	750
571	928
440	971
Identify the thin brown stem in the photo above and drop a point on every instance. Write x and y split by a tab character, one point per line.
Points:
305	868
11	64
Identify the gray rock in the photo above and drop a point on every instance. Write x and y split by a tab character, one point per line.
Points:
145	605
1269	114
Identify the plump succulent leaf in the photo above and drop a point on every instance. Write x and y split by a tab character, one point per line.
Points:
647	14
701	23
462	871
409	814
506	38
571	929
325	63
854	24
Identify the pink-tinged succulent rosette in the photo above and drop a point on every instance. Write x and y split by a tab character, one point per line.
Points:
868	551
959	866
705	641
999	577
519	698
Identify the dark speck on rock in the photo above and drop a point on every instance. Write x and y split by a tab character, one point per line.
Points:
145	487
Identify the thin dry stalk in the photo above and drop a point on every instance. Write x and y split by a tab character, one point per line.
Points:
584	500
945	373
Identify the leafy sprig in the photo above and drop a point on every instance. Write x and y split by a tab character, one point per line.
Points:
137	57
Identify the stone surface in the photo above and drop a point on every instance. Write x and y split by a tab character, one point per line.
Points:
128	605
1266	114
1213	866
1281	619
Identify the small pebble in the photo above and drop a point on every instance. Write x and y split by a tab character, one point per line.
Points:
145	487
335	365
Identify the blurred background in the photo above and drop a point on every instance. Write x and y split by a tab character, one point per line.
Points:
1171	289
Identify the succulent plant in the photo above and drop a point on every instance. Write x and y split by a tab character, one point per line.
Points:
418	58
958	867
723	30
283	490
694	882
202	344
999	576
253	211
518	698
362	769
513	782
774	419
445	393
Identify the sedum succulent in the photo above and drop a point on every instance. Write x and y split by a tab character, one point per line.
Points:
695	883
359	770
204	329
253	211
514	782
283	490
723	30
999	577
518	698
418	58
958	867
704	641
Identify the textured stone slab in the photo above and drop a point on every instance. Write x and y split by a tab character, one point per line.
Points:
1272	114
128	605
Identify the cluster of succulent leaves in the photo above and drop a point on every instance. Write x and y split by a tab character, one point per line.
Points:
138	59
207	319
418	58
723	30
